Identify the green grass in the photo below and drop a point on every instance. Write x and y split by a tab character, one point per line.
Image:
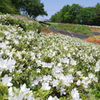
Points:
82	29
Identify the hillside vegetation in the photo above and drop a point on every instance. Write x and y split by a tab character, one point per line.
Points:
82	29
42	66
77	14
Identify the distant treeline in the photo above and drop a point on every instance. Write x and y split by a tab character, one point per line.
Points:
78	15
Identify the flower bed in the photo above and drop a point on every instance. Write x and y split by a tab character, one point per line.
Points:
94	39
94	29
47	66
45	30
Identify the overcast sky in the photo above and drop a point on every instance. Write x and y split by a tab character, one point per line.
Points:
53	6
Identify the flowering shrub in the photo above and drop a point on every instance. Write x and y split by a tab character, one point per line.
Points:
47	66
25	25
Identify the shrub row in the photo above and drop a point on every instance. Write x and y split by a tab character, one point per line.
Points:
25	25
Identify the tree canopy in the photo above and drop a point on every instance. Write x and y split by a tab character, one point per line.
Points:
78	15
33	8
6	6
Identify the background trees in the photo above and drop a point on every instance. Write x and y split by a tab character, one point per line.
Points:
33	8
97	14
86	16
71	14
6	6
78	15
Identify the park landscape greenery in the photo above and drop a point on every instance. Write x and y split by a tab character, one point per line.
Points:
77	14
32	8
38	64
45	66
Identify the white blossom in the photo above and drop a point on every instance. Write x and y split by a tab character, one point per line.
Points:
45	86
52	98
7	80
75	94
97	68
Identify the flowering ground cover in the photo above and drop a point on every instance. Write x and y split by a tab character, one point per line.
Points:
95	29
94	39
45	30
47	66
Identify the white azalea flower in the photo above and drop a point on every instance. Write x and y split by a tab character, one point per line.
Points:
38	70
66	80
62	91
7	80
52	98
78	82
47	78
65	60
97	68
71	70
73	62
79	73
48	65
32	55
75	94
55	83
45	86
20	94
91	76
3	46
16	41
7	64
38	62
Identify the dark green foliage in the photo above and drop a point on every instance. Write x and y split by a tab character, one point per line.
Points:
34	8
71	14
3	92
86	16
78	15
97	16
6	6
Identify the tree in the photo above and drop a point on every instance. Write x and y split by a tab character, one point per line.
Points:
62	13
34	8
86	16
54	18
6	6
71	14
67	14
18	4
97	14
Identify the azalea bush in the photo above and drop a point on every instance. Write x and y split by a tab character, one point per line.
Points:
47	66
25	25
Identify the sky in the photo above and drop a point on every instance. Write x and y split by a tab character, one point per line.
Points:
54	6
